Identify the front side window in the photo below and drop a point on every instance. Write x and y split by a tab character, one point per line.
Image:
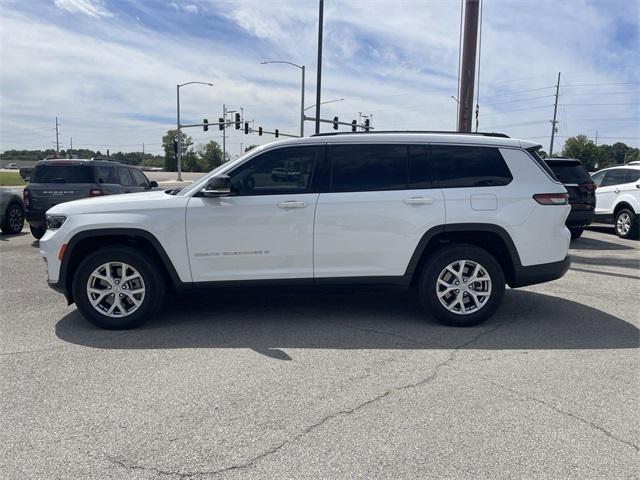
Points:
139	178
468	166
281	171
358	168
597	178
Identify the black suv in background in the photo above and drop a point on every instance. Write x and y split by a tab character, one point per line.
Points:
57	181
582	192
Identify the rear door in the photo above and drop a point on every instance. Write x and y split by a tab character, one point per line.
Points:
58	182
369	222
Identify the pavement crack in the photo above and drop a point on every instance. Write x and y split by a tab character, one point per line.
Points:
559	410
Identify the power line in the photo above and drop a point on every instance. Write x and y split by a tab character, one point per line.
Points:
519	100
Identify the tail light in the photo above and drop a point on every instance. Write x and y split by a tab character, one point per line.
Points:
552	198
95	192
590	186
25	197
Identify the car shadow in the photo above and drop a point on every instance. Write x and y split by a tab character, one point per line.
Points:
633	262
584	243
271	322
4	237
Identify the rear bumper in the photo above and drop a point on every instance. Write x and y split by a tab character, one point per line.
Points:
36	217
579	218
545	272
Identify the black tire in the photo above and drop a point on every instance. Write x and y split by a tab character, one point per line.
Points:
37	232
576	232
152	277
437	263
633	227
13	219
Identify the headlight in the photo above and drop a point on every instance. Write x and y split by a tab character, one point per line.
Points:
55	221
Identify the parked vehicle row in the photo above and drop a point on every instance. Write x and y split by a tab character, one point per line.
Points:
458	216
56	181
618	199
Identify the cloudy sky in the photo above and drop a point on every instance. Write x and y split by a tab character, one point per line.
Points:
108	68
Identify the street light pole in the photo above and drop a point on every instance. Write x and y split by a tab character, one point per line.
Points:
179	149
302	68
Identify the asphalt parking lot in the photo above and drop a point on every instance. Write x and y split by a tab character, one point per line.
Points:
275	384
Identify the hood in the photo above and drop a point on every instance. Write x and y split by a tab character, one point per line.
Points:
127	202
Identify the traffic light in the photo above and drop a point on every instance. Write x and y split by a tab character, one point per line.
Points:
366	125
277	133
205	127
220	123
335	123
238	121
175	147
260	131
353	125
246	128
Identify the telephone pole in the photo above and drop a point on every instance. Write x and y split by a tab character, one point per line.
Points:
554	121
319	67
57	141
70	145
224	133
468	67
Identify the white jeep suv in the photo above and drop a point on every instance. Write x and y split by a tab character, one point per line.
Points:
456	215
618	199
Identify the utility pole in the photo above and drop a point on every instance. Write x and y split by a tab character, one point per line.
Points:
468	67
143	149
596	138
57	142
554	121
178	139
319	67
70	146
241	146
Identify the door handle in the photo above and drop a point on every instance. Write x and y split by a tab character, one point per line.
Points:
418	201
617	190
292	204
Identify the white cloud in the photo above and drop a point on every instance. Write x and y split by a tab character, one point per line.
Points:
92	8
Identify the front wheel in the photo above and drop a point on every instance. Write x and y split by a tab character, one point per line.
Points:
576	233
118	288
461	285
627	224
37	232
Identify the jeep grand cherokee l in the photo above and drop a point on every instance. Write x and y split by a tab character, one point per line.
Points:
458	216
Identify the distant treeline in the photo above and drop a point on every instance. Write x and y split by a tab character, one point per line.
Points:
130	158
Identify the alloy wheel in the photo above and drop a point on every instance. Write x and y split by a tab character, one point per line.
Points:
115	289
463	287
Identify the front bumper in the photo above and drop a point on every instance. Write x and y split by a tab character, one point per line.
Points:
545	272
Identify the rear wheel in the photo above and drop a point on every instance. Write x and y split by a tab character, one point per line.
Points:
37	232
576	232
13	219
626	224
461	285
118	288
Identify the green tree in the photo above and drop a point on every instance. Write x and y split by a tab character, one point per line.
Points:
250	147
211	155
170	159
585	150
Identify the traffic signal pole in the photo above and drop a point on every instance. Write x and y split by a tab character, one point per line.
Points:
319	66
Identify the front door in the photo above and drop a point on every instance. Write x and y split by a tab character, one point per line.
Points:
608	191
264	228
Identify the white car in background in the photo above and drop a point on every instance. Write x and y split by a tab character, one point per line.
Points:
618	198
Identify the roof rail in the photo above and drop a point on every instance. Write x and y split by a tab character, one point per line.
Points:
484	134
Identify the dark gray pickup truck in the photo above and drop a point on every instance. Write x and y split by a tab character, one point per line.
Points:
56	181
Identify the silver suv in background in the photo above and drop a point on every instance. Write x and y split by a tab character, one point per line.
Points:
57	181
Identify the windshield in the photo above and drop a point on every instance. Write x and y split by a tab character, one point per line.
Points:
62	174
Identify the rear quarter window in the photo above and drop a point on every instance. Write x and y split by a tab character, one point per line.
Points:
459	166
62	174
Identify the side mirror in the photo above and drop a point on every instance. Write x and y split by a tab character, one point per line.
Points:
217	187
152	184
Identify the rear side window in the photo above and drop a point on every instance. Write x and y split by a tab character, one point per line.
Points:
361	168
569	171
105	175
62	174
456	166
